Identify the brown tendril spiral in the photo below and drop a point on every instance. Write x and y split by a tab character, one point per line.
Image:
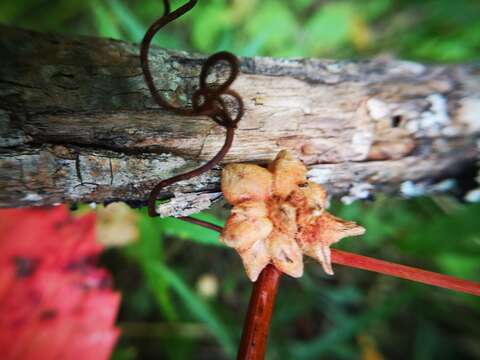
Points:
207	100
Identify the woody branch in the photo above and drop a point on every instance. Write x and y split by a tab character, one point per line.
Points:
77	122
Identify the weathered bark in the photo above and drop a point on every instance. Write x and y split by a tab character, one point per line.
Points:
77	122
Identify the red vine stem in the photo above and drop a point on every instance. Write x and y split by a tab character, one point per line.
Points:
257	323
405	272
388	268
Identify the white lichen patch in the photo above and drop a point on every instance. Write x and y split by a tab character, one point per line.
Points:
444	185
335	68
411	189
473	195
434	120
469	113
187	204
420	117
358	191
32	197
320	175
402	67
378	109
437	116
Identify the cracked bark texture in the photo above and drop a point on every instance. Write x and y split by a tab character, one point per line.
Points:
77	122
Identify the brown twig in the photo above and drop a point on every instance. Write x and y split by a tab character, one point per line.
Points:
196	172
199	222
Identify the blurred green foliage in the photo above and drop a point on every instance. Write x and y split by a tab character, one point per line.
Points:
354	314
317	316
432	30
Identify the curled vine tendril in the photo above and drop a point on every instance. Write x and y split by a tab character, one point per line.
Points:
207	100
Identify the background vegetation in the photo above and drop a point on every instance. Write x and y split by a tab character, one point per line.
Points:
185	295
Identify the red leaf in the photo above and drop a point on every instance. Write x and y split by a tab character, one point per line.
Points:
54	302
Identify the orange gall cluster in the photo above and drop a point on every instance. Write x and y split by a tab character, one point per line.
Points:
278	215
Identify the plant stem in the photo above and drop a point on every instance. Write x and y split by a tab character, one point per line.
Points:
389	268
257	323
253	344
405	272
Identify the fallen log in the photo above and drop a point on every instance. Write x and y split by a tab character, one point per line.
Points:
77	122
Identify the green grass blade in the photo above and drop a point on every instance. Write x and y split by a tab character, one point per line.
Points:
127	20
149	249
346	329
183	230
197	306
105	21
